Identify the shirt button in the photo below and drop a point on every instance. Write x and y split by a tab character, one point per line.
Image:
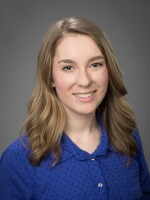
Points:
93	159
136	193
100	185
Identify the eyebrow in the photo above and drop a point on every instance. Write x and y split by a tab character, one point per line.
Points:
71	61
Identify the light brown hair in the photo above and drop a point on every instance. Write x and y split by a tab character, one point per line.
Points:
46	115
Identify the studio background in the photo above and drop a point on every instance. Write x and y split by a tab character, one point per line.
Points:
22	27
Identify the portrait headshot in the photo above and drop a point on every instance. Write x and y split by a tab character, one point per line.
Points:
74	100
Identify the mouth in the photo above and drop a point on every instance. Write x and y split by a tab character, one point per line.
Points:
84	95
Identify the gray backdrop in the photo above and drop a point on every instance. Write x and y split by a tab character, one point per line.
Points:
22	26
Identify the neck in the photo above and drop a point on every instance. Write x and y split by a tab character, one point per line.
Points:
79	126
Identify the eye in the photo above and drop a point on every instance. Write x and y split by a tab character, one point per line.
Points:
67	68
97	65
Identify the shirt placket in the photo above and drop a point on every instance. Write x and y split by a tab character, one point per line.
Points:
98	178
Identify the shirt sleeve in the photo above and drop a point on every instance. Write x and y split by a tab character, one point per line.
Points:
15	181
144	172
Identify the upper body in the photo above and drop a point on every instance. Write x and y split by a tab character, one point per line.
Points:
103	174
81	134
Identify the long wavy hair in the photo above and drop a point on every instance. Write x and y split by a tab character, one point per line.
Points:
46	117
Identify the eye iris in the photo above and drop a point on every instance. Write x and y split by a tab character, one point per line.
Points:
67	68
95	65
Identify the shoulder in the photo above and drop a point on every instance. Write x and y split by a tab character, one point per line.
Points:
143	167
137	138
136	134
14	159
17	148
16	173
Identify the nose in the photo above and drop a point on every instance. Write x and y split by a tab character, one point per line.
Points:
83	79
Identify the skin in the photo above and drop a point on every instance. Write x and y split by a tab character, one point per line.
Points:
80	77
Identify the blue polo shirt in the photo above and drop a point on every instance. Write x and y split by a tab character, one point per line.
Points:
102	175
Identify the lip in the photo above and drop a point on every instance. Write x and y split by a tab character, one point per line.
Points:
85	97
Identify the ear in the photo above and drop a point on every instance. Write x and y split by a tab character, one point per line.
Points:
53	84
52	81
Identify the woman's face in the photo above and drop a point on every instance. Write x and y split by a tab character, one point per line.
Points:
80	75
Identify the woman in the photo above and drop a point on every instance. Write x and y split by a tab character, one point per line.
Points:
81	140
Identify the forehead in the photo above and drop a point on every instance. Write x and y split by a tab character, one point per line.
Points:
77	44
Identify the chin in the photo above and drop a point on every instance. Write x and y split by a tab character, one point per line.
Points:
82	110
86	111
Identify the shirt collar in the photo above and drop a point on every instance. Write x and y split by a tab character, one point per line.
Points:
70	149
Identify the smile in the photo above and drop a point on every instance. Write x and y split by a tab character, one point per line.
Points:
84	95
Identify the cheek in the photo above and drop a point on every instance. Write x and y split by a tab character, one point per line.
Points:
105	79
60	87
61	83
102	78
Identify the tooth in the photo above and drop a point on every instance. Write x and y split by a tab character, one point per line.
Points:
83	95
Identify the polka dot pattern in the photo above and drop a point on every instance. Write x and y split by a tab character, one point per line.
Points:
102	175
